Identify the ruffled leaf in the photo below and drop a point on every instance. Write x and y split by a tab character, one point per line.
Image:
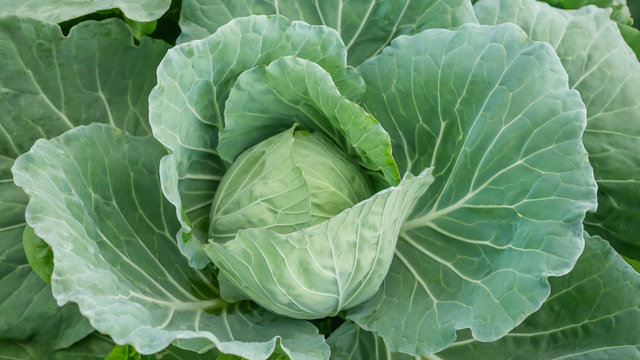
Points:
492	113
366	26
267	100
111	231
590	46
187	106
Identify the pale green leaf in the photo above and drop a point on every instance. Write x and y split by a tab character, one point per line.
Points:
323	269
492	113
335	182
591	313
112	235
366	26
286	183
263	188
63	10
267	100
590	46
41	95
194	81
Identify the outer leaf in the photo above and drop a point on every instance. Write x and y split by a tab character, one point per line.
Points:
366	26
266	101
590	46
63	10
42	96
492	113
592	313
194	81
620	12
93	347
320	270
112	237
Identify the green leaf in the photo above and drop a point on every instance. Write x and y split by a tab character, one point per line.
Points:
267	100
351	342
194	81
589	46
634	263
123	352
634	8
323	269
619	10
366	26
491	112
63	10
42	96
592	313
631	36
38	253
93	347
620	14
110	228
176	353
140	29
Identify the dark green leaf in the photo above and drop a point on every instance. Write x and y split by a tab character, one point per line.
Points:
62	10
42	95
38	253
366	26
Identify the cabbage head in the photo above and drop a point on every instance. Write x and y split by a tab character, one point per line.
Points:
295	251
286	183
